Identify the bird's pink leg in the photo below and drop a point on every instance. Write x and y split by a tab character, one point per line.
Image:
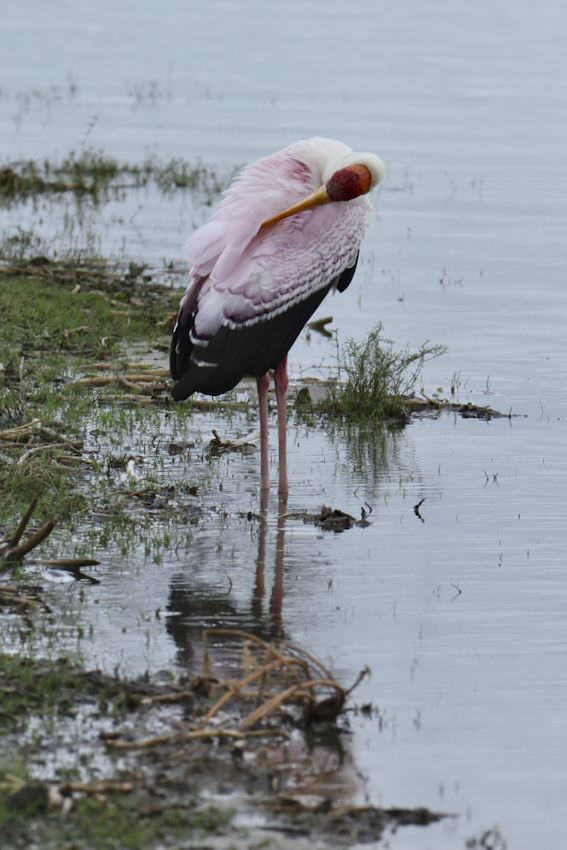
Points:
281	381
263	382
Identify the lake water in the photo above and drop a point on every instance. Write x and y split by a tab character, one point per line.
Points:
461	616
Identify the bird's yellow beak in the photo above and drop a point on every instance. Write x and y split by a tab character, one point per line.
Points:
316	199
347	183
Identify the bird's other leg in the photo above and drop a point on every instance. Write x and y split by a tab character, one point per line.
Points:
281	381
263	382
259	585
276	599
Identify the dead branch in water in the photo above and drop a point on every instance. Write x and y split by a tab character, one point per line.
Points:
9	548
269	669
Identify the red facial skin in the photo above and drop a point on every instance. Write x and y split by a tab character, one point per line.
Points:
349	183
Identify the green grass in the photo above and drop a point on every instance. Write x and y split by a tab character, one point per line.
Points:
48	333
91	173
378	379
46	689
51	333
37	477
42	318
121	822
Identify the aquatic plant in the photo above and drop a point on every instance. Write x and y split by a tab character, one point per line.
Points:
377	378
92	173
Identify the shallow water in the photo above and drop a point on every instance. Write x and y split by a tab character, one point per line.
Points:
462	616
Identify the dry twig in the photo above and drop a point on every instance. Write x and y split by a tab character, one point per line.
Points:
278	662
170	736
9	548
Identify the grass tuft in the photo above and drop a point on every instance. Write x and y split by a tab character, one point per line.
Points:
379	379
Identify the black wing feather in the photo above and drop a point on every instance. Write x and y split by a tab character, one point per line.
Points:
218	364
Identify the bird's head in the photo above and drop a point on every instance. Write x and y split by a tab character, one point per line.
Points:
345	178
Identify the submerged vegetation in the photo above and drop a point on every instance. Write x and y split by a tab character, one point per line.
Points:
89	204
92	173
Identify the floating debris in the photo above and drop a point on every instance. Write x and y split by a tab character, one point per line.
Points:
22	597
319	325
427	406
218	446
333	519
417	507
74	567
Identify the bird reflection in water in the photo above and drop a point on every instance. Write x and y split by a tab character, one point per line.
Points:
193	607
276	598
316	761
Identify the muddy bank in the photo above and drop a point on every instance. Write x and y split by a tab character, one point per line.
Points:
141	769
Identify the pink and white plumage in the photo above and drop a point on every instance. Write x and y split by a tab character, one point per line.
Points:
260	267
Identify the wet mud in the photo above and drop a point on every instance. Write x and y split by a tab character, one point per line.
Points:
287	777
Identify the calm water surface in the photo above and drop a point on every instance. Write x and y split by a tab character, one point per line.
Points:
461	616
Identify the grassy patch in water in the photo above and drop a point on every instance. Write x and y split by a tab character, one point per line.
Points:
120	822
378	379
53	326
93	173
41	687
40	699
39	476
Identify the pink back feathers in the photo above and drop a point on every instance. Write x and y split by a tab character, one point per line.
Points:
240	275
